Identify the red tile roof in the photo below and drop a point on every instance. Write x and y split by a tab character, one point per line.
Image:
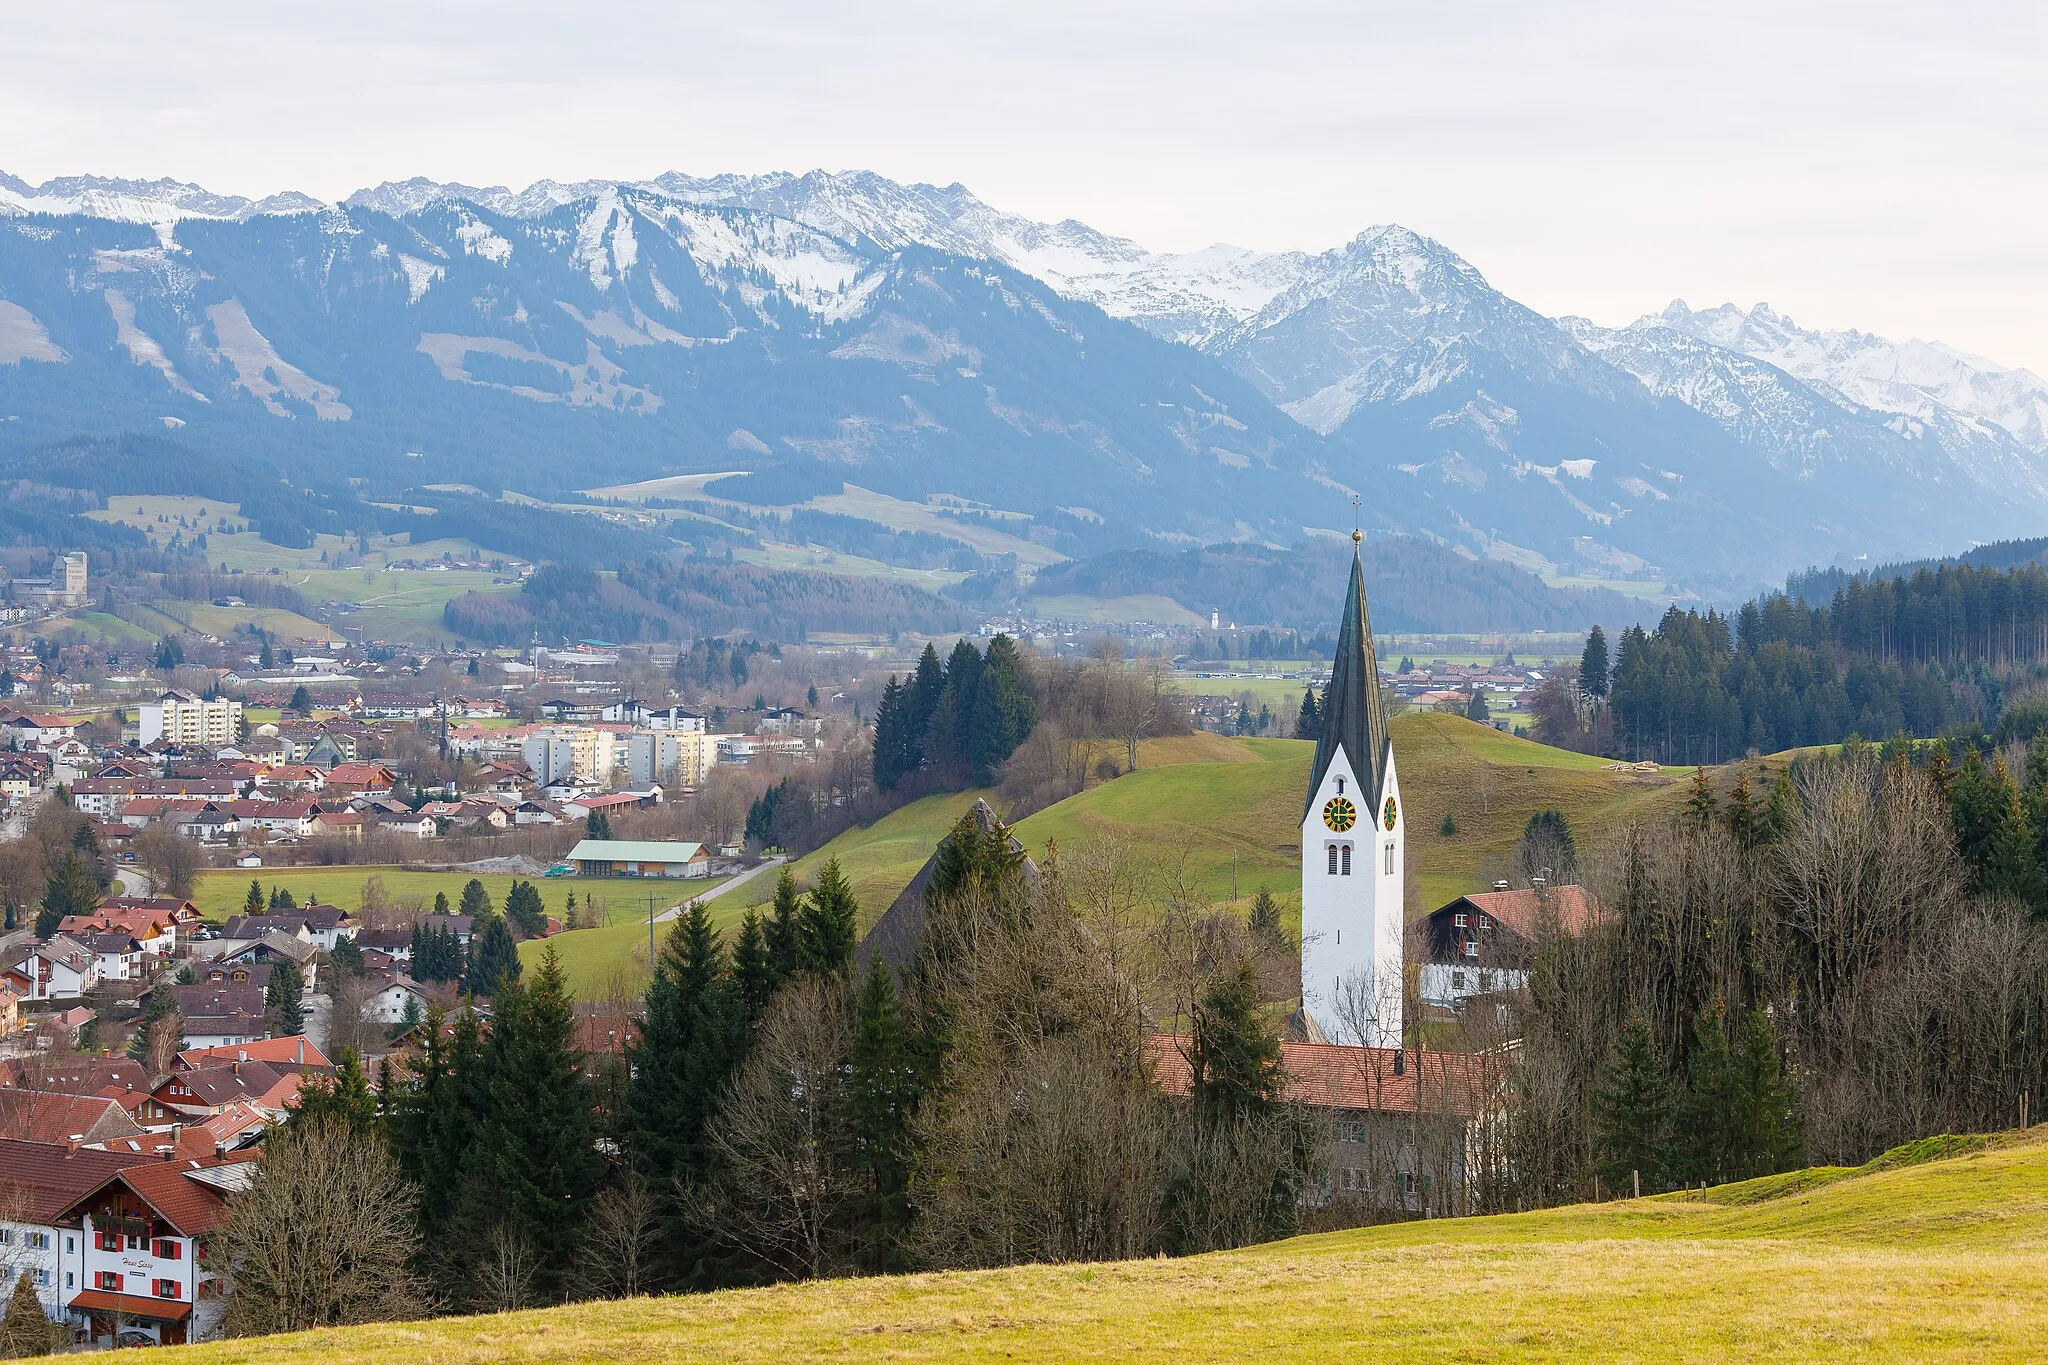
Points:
1522	911
1333	1076
51	1177
49	1116
295	1051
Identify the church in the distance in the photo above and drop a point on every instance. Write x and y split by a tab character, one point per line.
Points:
1352	836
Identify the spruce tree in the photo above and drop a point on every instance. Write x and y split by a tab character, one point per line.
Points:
252	904
751	971
1264	920
1235	1055
1742	815
922	692
1001	714
71	890
493	959
281	997
525	910
1593	666
1778	814
1475	709
1308	723
441	903
538	1136
1701	805
476	903
161	1013
1711	1110
779	934
880	1099
2012	863
891	721
692	1039
346	959
1632	1112
597	825
346	1098
826	925
1765	1137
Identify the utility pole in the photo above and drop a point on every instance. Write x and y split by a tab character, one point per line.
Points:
650	933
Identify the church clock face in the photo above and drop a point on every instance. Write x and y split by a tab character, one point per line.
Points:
1390	814
1339	814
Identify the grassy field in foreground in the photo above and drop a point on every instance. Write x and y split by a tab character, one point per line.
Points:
1939	1261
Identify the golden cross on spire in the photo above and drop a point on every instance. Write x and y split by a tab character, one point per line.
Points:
1355	536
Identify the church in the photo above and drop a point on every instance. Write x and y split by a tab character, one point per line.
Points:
1352	847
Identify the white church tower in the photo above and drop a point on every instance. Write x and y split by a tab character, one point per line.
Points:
1352	834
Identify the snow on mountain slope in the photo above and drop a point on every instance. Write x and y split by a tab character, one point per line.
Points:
1809	428
1917	378
156	202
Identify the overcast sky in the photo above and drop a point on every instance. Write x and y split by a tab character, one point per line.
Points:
1873	165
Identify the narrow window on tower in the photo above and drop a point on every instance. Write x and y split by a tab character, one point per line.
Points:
1347	860
1390	860
1333	860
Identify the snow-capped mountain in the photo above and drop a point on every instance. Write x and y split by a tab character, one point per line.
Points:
1923	379
1818	433
927	343
138	201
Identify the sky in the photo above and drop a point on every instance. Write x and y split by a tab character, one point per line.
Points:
1876	165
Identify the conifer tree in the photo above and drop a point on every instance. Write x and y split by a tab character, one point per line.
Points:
476	903
2012	864
751	970
1766	1136
691	1041
538	1136
1235	1056
1742	814
1264	919
880	1099
779	934
252	904
597	825
282	899
441	903
493	959
281	996
892	721
826	925
1632	1112
346	1098
71	890
346	958
160	1014
1701	805
1475	709
525	911
1308	723
1593	666
1776	821
431	1133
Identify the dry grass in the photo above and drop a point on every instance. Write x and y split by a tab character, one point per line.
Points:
1940	1261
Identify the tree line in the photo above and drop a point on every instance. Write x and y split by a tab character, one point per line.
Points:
1811	965
786	1113
954	726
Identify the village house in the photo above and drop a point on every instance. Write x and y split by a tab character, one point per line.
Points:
138	1261
1480	944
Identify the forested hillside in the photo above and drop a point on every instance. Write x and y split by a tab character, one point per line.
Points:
1942	650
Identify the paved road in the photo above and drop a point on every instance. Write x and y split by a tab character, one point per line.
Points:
735	883
133	881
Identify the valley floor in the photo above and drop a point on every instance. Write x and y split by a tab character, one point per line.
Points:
1939	1261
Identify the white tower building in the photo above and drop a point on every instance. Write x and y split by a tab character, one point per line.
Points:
1352	847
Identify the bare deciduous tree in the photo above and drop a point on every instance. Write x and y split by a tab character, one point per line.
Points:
781	1133
619	1239
323	1236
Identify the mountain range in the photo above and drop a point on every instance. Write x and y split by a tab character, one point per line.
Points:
914	342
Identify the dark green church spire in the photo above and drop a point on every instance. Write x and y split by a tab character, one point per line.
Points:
1354	717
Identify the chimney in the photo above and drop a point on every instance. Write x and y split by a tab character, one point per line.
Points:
73	1143
241	1054
1501	885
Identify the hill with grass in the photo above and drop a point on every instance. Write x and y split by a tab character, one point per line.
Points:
1198	804
1909	1258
